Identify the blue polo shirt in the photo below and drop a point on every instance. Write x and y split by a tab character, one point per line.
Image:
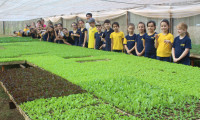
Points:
139	41
149	43
180	45
106	36
98	43
130	42
76	39
82	36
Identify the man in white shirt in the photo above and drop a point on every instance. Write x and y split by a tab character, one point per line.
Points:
87	25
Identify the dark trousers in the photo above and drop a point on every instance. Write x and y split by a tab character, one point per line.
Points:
150	55
119	51
167	59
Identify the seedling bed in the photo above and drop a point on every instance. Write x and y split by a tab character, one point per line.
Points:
33	83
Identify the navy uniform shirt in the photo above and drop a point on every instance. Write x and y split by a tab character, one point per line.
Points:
98	43
76	39
69	39
82	36
51	37
139	41
130	42
149	43
106	36
180	45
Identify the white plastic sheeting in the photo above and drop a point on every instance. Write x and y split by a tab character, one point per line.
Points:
20	10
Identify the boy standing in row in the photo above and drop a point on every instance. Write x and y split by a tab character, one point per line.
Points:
92	31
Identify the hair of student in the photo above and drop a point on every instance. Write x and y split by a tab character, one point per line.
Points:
39	21
60	24
90	14
56	25
64	28
51	27
131	24
144	26
81	21
74	23
166	21
115	23
151	21
107	21
14	32
183	26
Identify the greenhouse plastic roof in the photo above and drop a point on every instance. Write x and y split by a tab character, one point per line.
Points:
20	10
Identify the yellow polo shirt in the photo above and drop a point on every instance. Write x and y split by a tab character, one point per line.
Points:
91	39
25	30
164	49
19	34
117	40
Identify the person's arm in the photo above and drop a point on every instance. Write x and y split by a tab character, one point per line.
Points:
48	38
156	40
144	44
72	36
142	52
56	34
94	43
103	38
111	44
173	55
126	48
132	49
77	35
85	39
65	42
170	42
186	51
136	50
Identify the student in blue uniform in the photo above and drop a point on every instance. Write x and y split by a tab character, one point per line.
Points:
59	34
139	46
51	34
149	40
182	45
83	34
98	36
106	35
67	39
75	34
129	41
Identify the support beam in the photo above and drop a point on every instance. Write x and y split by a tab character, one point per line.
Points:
4	32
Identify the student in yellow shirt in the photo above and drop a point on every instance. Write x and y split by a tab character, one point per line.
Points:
117	38
164	42
17	34
92	31
26	30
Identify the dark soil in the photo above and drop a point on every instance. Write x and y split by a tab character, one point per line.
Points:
5	112
33	83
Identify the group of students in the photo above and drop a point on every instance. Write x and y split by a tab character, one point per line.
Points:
108	37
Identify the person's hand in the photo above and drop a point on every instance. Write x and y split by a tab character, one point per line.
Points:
128	51
175	60
83	45
72	34
167	41
139	54
156	36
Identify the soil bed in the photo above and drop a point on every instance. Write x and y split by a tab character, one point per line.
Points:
33	83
